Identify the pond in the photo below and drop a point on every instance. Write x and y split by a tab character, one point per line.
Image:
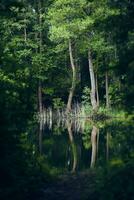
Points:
64	158
77	145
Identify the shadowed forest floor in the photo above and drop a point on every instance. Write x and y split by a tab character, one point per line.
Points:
72	187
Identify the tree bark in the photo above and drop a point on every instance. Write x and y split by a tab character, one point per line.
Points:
40	50
97	92
72	89
40	97
25	25
40	24
92	79
107	90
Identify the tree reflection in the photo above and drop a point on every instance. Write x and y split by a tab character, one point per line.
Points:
73	145
94	143
40	135
107	145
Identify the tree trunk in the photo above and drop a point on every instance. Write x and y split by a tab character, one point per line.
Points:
40	98
97	92
40	24
40	50
92	79
107	91
25	27
72	89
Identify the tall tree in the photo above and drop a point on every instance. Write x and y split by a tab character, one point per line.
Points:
68	21
40	52
93	85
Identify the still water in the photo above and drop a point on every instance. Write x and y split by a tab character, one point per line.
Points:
77	145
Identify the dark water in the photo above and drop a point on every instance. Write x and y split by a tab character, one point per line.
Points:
78	145
32	152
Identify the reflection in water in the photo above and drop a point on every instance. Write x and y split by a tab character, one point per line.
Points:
58	117
85	138
40	135
94	133
73	146
107	144
98	134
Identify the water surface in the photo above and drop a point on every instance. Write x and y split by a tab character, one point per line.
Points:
78	145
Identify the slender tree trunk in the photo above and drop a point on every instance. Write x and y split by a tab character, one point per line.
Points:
25	25
40	24
40	97
40	50
72	89
97	92
92	79
107	90
94	146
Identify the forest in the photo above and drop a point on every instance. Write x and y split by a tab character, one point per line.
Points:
67	99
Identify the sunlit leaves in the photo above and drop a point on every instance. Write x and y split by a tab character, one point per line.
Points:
68	19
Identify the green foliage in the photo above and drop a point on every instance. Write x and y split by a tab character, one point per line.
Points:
86	95
31	52
68	19
117	182
86	107
86	137
58	103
